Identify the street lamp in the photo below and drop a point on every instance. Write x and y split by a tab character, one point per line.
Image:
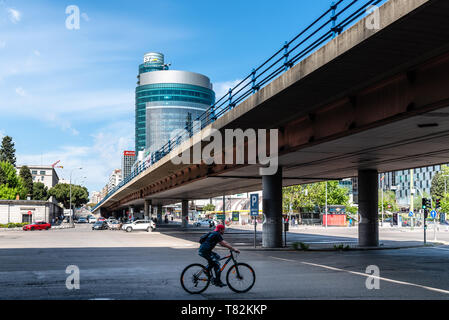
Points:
70	188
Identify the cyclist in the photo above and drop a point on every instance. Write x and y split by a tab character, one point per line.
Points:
212	258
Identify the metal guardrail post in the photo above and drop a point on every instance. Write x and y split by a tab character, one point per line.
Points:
230	98
253	80
334	19
286	63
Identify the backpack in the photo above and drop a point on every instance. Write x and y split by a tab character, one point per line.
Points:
204	237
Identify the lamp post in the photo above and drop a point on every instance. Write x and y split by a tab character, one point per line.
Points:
70	188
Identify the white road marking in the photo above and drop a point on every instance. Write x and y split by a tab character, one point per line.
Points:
368	275
439	248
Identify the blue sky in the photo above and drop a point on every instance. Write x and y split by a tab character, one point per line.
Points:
69	94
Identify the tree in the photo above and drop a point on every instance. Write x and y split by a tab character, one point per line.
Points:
440	183
12	184
312	195
61	192
7	151
40	191
209	207
27	179
389	203
2	176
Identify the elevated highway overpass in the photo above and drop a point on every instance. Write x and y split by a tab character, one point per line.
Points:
368	101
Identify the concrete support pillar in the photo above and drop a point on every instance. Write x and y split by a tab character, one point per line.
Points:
272	210
185	214
368	208
151	212
131	212
159	213
146	209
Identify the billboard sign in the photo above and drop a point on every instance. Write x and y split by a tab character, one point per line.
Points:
129	153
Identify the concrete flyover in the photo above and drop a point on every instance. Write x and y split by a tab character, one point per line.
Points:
368	101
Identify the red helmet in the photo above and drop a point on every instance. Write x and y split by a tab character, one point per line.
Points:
220	227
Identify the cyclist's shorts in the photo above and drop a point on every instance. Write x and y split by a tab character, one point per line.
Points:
209	255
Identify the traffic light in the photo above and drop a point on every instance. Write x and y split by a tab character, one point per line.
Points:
426	203
437	204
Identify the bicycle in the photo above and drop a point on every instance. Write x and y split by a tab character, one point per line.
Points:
240	278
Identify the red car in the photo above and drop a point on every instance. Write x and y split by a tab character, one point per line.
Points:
40	225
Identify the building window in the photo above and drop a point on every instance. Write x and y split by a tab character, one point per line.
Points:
42	173
34	172
26	218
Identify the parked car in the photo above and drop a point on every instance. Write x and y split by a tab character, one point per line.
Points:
91	219
113	225
82	220
204	223
146	225
101	219
39	225
100	225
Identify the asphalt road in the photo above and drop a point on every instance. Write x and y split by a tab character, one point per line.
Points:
141	265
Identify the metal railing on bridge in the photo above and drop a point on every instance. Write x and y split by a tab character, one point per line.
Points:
339	17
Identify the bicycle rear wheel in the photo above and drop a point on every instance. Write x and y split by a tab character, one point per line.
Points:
195	278
240	277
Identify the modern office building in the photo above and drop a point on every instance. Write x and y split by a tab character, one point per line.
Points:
167	101
128	159
422	181
45	174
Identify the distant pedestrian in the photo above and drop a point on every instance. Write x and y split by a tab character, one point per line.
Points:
350	222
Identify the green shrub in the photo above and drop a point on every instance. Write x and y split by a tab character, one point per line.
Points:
341	247
300	246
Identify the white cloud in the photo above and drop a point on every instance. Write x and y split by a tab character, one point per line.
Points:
14	15
37	53
20	92
222	88
2	44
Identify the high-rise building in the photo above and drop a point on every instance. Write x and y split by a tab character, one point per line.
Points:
95	197
128	159
114	179
166	101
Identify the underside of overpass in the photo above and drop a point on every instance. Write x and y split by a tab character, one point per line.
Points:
368	101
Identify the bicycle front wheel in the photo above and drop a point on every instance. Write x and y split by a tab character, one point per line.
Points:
195	278
240	277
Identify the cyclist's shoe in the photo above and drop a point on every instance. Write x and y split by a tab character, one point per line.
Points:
218	283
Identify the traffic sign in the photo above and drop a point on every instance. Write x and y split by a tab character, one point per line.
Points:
433	214
254	204
410	214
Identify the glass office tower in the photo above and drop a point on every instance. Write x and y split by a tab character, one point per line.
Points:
166	101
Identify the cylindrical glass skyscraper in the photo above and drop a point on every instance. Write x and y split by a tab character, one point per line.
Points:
166	100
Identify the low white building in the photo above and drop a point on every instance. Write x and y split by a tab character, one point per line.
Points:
45	174
17	211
